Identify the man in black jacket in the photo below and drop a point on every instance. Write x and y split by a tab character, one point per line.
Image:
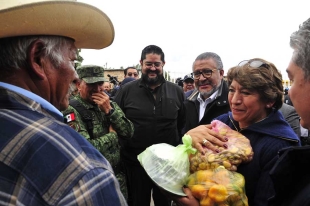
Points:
209	99
290	174
155	107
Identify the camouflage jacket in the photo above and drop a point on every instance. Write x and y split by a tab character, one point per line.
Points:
106	142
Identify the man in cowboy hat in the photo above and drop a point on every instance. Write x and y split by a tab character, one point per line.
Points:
42	160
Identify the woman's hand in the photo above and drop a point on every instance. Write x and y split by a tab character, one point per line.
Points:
203	137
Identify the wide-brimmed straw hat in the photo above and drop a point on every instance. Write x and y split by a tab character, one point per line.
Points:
86	24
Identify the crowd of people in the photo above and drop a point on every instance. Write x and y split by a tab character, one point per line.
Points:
63	148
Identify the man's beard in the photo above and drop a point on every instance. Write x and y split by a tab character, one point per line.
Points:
209	93
152	81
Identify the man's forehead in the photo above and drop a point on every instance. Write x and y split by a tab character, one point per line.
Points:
152	56
292	68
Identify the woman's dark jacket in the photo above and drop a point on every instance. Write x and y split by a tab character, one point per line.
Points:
267	137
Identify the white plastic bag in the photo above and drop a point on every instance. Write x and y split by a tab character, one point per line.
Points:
168	166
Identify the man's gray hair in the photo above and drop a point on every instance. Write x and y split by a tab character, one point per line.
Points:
210	55
13	52
300	42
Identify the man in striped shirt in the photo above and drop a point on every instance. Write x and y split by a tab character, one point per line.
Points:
42	160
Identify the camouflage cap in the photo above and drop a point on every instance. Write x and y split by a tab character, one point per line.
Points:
91	73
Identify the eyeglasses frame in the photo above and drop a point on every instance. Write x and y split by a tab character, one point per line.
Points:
201	73
153	64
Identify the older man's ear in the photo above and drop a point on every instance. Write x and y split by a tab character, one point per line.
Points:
36	61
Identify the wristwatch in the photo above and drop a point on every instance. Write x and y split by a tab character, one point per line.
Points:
110	112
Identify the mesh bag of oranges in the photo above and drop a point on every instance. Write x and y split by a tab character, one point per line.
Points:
239	150
218	187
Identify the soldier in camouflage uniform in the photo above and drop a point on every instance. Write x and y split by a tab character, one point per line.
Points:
99	120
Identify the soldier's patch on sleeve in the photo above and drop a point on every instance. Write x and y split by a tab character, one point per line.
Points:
70	117
75	126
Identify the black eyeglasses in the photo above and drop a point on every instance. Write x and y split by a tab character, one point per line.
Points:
206	73
153	64
254	64
130	74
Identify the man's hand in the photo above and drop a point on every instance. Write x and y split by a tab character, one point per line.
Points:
188	200
103	101
111	129
203	137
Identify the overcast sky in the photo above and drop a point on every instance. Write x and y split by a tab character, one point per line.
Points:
234	29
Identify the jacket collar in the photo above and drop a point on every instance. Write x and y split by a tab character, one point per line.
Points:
269	126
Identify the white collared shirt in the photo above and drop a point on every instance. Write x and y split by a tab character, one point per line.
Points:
203	103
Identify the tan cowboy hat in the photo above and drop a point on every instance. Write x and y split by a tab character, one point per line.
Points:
86	24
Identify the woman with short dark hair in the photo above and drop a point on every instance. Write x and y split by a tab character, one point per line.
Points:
255	95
